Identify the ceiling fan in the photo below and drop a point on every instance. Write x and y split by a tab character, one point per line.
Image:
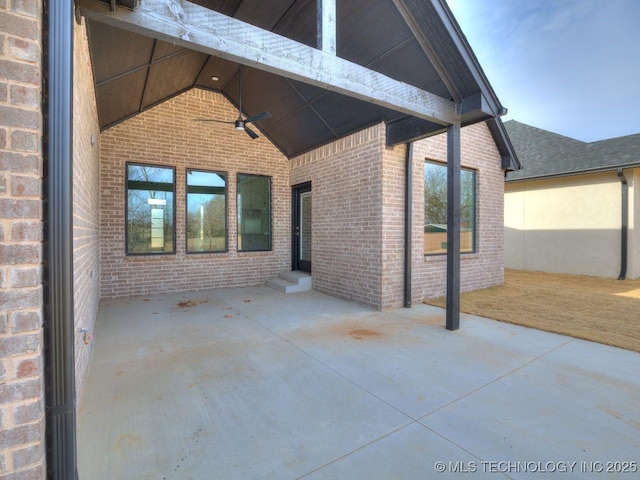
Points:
240	123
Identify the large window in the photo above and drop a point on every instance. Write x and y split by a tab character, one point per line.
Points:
435	209
206	211
150	209
254	212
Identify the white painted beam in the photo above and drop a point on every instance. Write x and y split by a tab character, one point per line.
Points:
198	28
327	26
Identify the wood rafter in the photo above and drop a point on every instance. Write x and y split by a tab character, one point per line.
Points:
199	28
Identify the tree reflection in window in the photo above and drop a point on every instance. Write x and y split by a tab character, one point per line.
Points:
150	209
206	211
435	209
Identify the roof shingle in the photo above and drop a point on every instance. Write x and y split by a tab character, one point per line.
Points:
547	154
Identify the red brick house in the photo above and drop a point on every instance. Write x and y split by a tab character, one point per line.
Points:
125	194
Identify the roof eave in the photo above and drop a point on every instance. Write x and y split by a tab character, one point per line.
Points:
454	61
492	102
501	138
610	168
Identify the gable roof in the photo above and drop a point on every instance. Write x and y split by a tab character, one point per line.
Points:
545	154
415	42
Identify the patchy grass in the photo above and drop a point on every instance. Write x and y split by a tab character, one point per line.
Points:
598	309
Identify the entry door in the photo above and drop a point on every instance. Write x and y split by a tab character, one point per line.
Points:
302	227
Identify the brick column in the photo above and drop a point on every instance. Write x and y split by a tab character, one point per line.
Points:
21	377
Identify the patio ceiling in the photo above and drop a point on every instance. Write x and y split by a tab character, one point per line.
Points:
415	44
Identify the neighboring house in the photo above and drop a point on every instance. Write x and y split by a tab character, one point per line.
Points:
363	113
575	206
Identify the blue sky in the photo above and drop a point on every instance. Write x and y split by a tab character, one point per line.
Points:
567	66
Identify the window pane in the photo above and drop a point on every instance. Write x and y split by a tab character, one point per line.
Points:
435	209
254	212
150	212
206	211
467	210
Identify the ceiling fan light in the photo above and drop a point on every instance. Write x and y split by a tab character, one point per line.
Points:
239	125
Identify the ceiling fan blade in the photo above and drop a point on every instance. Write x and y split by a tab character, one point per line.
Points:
212	120
250	132
258	117
240	124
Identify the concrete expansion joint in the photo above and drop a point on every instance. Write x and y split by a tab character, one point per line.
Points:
497	379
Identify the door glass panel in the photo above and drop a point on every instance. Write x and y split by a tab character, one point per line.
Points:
305	226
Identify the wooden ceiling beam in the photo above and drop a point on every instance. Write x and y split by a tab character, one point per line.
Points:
327	26
199	28
411	129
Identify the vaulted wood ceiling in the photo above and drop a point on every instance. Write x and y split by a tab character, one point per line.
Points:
134	72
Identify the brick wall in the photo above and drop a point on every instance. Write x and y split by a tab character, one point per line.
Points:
167	135
358	217
346	180
393	235
484	268
21	310
86	197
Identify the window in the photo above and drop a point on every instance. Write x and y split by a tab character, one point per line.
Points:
206	212
254	213
435	209
150	209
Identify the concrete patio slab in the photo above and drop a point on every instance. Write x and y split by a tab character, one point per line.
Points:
579	402
409	453
252	383
416	365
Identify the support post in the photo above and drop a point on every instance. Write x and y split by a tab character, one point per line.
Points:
59	356
453	227
327	26
408	223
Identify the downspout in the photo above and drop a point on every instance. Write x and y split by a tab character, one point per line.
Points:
59	356
625	224
408	216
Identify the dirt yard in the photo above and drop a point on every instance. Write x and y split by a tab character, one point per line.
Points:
597	309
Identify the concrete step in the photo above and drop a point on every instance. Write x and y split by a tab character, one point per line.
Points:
291	282
298	277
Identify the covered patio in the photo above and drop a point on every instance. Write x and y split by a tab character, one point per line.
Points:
251	383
